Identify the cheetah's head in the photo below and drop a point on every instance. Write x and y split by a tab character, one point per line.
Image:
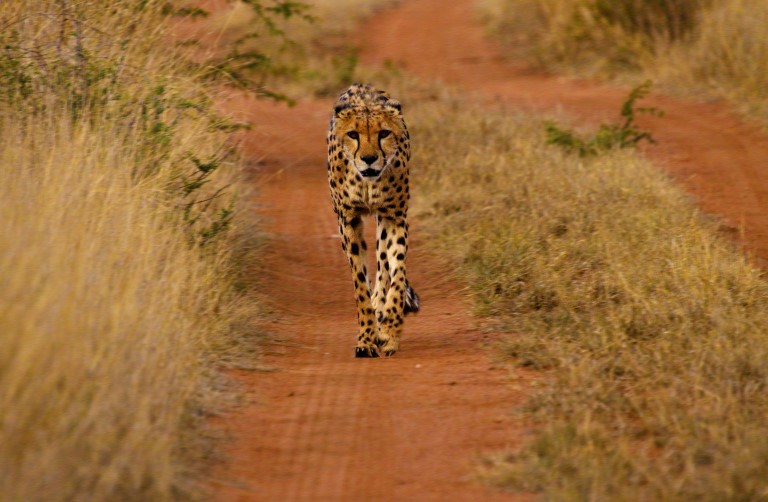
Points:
369	136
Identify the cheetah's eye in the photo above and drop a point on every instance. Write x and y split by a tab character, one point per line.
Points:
384	133
353	135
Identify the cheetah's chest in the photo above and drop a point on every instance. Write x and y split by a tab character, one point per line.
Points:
366	193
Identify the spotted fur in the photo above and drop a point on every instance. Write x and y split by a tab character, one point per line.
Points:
368	154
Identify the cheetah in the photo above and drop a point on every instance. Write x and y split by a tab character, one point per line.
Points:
368	154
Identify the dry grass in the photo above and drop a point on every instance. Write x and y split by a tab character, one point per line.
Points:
114	313
651	328
728	57
696	48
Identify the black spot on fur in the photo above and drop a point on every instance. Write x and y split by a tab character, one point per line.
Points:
412	301
341	107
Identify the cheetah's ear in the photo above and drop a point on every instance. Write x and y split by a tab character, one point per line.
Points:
340	107
394	106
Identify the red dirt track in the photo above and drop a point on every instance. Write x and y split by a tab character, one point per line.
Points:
327	426
324	426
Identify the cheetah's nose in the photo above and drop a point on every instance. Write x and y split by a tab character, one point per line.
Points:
370	159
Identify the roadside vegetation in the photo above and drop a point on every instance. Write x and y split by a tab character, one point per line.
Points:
307	53
121	246
649	328
699	48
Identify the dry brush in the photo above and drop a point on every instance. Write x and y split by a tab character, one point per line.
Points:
649	328
696	48
116	254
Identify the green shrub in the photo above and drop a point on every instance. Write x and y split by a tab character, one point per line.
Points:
608	136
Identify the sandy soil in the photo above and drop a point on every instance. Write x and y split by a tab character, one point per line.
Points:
326	426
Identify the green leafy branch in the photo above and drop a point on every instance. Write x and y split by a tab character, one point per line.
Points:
205	220
248	69
624	134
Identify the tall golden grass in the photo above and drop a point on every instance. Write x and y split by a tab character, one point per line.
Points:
116	302
704	49
650	329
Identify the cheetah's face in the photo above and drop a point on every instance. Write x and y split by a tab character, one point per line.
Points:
369	138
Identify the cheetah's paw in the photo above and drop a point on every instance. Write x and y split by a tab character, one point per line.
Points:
388	347
367	351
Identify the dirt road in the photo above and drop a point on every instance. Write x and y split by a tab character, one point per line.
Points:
326	426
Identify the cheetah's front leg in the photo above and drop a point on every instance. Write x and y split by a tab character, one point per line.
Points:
379	296
353	243
392	240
